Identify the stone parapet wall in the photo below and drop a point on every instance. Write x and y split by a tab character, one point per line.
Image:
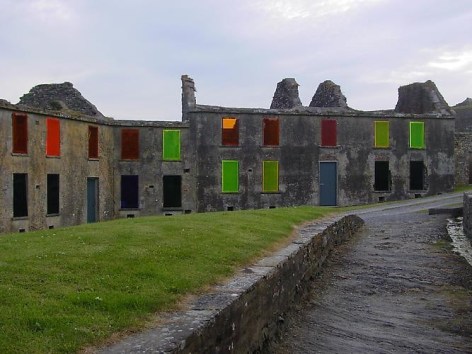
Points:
467	223
247	313
463	157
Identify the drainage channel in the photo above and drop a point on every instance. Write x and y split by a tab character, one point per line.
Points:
462	245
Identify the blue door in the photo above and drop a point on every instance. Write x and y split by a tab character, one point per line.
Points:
328	183
92	199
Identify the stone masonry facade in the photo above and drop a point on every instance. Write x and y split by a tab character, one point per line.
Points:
64	163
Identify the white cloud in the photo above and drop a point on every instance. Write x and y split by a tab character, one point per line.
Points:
453	61
296	9
52	10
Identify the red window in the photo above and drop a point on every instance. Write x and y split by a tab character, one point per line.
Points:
328	132
20	133
271	131
53	137
93	142
230	131
130	144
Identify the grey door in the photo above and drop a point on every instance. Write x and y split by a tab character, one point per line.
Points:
92	199
328	183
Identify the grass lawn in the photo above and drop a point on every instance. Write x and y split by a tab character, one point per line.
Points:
63	289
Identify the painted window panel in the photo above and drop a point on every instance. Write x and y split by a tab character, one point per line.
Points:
417	175
270	176
230	176
53	194
53	137
229	131
417	135
130	144
328	132
172	191
20	133
129	192
171	145
20	195
382	134
271	131
382	176
93	142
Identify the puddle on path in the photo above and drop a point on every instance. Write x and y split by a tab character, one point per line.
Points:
460	242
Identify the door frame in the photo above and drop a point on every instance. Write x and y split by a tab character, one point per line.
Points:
336	181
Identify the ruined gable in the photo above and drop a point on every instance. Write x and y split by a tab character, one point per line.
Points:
328	94
286	95
59	97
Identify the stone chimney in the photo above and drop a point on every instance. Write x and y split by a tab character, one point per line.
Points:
286	95
328	94
188	96
421	98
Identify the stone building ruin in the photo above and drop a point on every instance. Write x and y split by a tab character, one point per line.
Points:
64	163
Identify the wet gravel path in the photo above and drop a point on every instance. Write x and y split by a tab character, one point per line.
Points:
395	288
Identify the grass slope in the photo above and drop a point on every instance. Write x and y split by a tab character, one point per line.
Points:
63	289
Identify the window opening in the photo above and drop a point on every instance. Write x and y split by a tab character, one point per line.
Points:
417	135
53	137
172	189
130	144
93	142
20	195
230	176
129	192
271	131
416	175
230	132
328	132
20	133
382	176
171	145
382	134
270	176
53	194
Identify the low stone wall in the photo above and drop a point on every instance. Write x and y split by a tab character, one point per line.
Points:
467	223
246	313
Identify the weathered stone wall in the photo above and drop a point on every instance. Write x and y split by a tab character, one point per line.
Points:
467	222
151	168
245	314
300	153
463	157
73	167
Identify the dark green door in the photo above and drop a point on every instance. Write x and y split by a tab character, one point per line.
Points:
92	199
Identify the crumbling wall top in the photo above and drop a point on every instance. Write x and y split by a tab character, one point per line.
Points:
328	94
286	95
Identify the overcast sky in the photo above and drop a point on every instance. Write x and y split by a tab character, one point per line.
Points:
127	56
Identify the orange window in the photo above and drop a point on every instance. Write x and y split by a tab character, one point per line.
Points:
53	137
230	131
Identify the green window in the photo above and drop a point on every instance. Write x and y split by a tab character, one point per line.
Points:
230	176
270	176
171	145
417	135
382	134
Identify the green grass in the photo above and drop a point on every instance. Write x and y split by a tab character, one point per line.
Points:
463	188
64	289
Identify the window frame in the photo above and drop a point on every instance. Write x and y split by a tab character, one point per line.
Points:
52	195
413	135
266	173
130	149
19	133
230	136
227	185
53	137
329	132
270	131
380	140
171	153
93	152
